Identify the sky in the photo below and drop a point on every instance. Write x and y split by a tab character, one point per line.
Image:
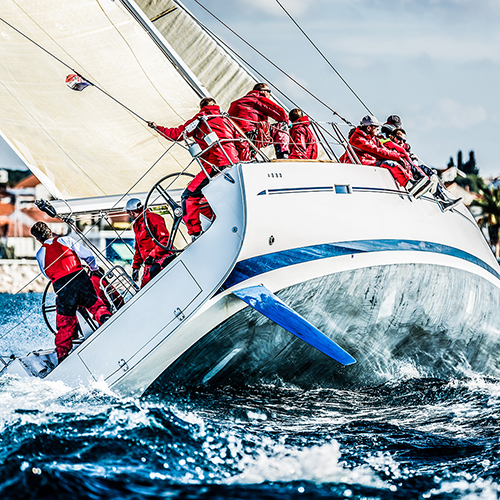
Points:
435	63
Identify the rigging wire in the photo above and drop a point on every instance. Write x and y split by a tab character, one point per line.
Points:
73	70
274	65
257	72
83	237
324	57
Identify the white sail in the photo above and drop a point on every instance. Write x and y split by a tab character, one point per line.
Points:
84	144
221	73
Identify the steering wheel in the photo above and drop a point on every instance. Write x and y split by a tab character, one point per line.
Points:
161	191
48	308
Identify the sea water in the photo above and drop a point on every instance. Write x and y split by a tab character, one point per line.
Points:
410	437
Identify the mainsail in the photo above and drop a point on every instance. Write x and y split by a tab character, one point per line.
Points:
84	144
221	73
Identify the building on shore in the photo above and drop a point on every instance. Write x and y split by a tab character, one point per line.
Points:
18	212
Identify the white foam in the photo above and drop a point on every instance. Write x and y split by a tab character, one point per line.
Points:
319	464
478	490
36	401
400	370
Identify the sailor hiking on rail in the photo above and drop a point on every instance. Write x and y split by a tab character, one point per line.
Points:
59	260
395	134
390	152
227	148
370	151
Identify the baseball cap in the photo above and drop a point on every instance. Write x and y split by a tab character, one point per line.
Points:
370	120
395	120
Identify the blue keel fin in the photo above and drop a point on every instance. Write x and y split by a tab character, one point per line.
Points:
268	304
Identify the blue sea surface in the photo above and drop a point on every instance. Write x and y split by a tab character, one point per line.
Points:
412	437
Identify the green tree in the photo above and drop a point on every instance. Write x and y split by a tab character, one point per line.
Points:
489	202
17	175
472	181
469	167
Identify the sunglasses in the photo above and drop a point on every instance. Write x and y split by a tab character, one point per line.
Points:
400	139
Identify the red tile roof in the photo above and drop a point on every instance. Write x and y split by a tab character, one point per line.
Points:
6	209
28	182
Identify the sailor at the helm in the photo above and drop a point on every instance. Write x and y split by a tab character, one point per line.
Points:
59	260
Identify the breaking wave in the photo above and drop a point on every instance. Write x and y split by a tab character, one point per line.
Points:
413	436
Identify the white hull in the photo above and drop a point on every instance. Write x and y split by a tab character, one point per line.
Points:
387	277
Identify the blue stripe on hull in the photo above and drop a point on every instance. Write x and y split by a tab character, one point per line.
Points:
254	266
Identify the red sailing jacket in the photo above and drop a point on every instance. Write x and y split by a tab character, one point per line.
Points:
303	144
369	149
236	150
253	108
144	244
59	260
388	143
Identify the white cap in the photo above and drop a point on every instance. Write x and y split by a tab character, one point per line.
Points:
370	120
133	204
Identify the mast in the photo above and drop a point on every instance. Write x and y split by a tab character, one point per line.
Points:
166	48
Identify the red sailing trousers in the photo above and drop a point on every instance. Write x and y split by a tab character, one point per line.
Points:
74	290
194	203
399	173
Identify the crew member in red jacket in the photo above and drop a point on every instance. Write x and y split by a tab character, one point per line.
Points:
303	144
233	149
370	151
59	260
147	251
252	112
397	140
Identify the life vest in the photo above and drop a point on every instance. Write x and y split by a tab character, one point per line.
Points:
59	260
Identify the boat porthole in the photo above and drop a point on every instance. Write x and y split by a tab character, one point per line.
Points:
271	239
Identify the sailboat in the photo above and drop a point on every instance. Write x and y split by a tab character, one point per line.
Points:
314	273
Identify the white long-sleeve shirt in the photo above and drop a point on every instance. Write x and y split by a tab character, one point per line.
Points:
83	253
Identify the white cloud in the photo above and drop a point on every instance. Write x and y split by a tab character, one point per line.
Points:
453	115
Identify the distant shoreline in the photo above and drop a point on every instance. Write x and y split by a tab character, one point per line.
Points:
21	275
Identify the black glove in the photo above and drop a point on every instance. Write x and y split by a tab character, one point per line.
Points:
154	270
98	272
135	274
149	260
